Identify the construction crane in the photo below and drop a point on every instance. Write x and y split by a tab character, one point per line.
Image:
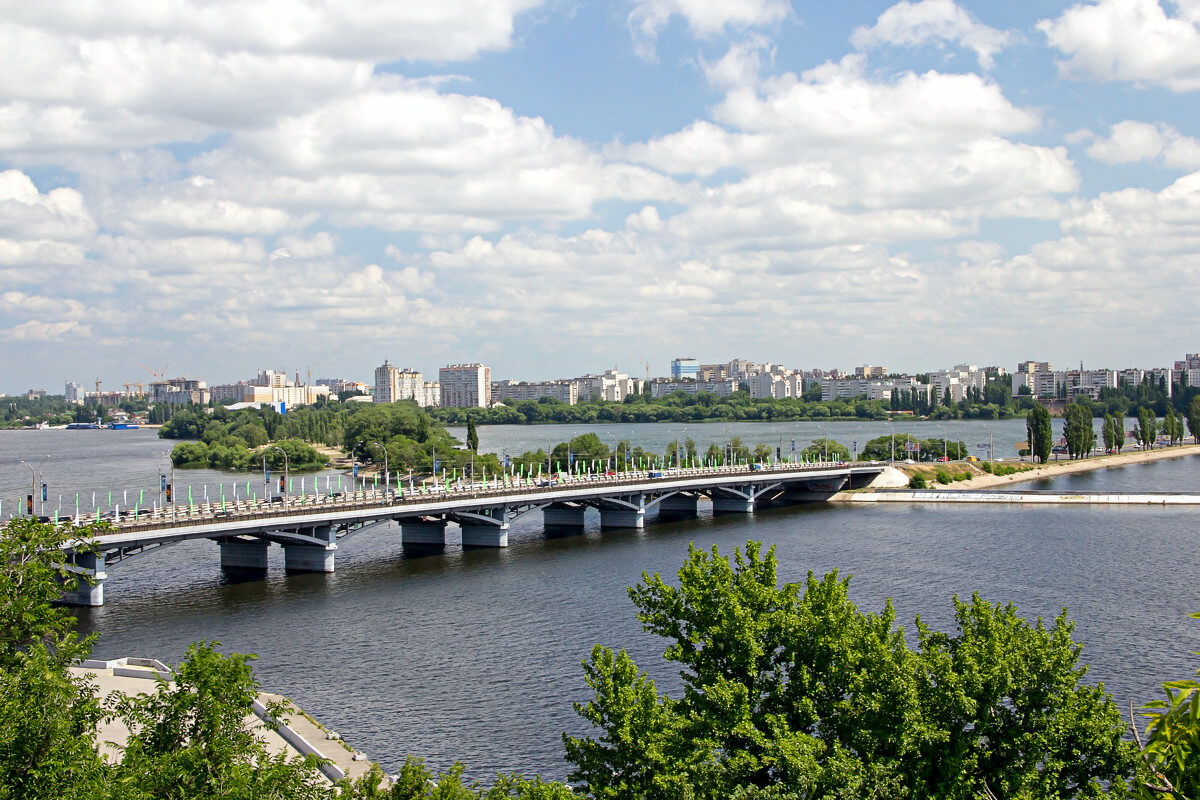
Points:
158	374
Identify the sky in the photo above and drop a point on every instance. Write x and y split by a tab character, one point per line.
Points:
213	187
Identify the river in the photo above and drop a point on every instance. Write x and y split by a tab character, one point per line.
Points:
475	655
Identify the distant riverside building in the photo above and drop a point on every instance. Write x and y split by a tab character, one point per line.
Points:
661	387
339	385
35	394
957	381
713	372
465	386
562	390
73	393
869	372
684	368
179	392
851	388
612	386
393	384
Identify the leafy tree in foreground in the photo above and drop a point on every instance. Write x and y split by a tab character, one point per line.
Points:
1037	428
1172	746
791	692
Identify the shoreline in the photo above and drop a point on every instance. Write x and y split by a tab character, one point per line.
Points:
984	480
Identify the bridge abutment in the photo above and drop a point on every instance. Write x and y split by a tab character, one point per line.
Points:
628	511
423	532
312	557
89	586
244	555
678	506
487	527
563	515
733	500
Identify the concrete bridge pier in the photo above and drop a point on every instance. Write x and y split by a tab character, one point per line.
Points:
486	528
85	593
421	532
733	500
312	557
678	506
563	516
627	511
244	555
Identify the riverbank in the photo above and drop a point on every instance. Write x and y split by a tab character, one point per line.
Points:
985	480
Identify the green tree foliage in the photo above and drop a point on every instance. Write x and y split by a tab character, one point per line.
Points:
824	448
1193	418
472	436
1078	430
1171	750
792	692
1039	431
1147	430
46	714
232	453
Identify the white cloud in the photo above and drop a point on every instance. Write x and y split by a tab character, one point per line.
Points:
25	213
908	24
449	30
35	331
1131	142
1129	40
704	18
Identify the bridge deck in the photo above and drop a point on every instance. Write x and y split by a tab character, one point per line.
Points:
243	517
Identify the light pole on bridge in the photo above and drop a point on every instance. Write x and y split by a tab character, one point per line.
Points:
386	480
284	483
32	487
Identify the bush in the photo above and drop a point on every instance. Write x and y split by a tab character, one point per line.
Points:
918	482
942	476
986	466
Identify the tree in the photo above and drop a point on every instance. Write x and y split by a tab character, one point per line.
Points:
792	692
472	436
1172	747
1108	433
1037	428
1078	430
1193	418
821	449
1147	427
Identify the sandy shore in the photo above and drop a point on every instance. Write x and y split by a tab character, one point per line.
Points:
985	481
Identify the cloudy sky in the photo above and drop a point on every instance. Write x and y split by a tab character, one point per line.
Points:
558	186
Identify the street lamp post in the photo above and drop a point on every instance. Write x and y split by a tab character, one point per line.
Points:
613	436
824	443
387	485
893	430
945	450
286	478
32	487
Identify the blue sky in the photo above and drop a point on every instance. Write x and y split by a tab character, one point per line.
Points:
561	187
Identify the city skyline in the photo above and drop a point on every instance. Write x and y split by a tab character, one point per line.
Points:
543	185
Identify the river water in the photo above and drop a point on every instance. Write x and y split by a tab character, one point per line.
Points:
475	655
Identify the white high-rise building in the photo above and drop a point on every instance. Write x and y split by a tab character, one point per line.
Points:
466	386
393	384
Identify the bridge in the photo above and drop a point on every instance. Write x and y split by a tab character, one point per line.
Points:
310	527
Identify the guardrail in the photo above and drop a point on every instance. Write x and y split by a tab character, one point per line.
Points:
248	510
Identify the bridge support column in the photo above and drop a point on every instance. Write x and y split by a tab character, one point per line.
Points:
678	506
311	557
628	511
733	500
86	565
486	528
423	532
244	555
563	515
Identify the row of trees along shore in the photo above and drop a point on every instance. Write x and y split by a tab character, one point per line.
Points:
1079	433
411	439
790	692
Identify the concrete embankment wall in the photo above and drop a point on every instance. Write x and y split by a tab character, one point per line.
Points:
1023	498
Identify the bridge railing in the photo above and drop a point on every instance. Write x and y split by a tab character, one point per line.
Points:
178	516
